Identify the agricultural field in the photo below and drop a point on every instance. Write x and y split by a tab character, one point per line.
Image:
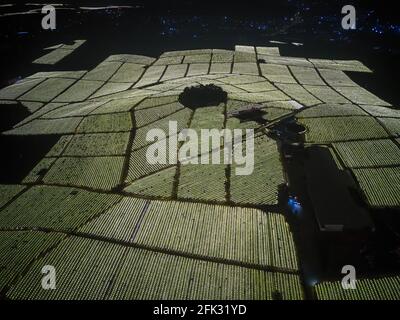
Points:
384	288
118	226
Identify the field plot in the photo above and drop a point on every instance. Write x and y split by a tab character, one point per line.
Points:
9	191
181	118
159	184
73	110
103	71
87	268
98	144
298	93
202	182
332	110
38	172
18	249
102	173
381	186
276	73
370	153
326	94
331	129
47	90
14	91
119	221
237	234
118	105
139	166
106	123
156	101
146	116
46	126
385	288
128	73
377	111
59	208
261	187
84	271
392	125
361	96
307	76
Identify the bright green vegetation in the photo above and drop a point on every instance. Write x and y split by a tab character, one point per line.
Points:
102	173
159	184
19	249
9	191
381	186
384	288
205	182
369	153
98	144
261	187
332	110
60	208
331	129
106	123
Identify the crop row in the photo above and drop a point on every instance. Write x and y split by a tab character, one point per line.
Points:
93	172
384	288
54	207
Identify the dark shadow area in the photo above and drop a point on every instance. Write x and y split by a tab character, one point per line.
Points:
344	226
20	154
202	96
250	112
11	113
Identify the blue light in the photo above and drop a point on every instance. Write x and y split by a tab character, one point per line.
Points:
294	205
